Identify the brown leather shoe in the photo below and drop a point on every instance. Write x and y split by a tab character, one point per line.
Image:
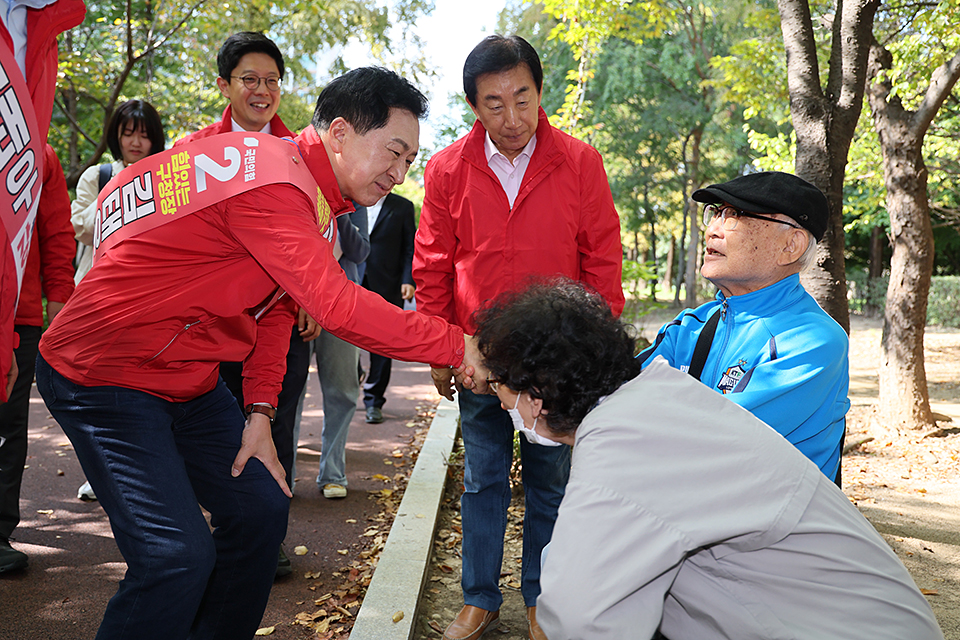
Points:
471	623
535	632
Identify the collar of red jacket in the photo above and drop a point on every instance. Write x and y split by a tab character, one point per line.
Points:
315	155
277	128
546	145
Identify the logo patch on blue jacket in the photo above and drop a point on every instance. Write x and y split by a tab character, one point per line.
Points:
730	377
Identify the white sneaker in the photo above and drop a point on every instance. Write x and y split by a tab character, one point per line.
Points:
86	492
332	491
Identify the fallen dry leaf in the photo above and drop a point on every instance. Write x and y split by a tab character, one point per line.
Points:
300	550
265	631
398	616
929	592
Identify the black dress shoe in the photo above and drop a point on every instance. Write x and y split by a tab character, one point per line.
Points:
10	558
374	415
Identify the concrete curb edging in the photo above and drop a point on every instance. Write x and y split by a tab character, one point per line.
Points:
398	580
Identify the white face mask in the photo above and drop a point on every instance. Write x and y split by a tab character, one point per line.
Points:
531	435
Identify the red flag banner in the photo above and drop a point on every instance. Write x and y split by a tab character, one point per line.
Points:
175	183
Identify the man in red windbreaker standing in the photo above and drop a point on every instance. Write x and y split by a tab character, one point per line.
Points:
513	198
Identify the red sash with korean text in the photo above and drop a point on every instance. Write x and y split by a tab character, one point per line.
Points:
175	183
21	159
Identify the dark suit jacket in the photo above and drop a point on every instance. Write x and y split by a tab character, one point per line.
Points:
391	249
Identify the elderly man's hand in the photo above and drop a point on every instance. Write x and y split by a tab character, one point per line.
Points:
472	373
443	380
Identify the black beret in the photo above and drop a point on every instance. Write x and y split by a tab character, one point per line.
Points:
773	192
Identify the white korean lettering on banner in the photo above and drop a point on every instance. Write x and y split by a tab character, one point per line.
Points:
20	162
205	165
14	138
249	165
109	218
126	203
137	197
21	178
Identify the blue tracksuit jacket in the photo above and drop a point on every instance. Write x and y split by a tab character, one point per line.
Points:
777	354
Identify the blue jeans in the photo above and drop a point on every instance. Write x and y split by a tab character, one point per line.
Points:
487	434
153	463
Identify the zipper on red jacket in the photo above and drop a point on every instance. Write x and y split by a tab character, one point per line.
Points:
172	340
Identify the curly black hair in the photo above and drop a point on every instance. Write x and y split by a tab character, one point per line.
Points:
559	342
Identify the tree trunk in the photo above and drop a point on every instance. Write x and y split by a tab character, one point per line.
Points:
653	259
904	398
693	249
874	272
671	258
825	121
875	267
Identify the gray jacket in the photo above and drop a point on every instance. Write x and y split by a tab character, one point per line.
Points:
697	518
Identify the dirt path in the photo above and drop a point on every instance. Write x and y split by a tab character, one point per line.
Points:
904	483
907	484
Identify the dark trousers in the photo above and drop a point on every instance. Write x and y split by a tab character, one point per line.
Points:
13	430
153	463
295	378
377	380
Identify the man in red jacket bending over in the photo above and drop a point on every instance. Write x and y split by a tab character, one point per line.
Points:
129	367
515	197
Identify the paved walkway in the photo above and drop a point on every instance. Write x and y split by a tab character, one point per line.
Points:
75	565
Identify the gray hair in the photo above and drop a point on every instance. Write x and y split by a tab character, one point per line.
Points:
809	257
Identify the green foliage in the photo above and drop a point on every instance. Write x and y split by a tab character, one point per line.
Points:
943	304
866	296
636	276
165	52
921	37
585	25
455	125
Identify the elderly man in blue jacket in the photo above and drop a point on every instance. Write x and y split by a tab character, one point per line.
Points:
764	342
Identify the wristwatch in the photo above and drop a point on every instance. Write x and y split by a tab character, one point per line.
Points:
265	409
